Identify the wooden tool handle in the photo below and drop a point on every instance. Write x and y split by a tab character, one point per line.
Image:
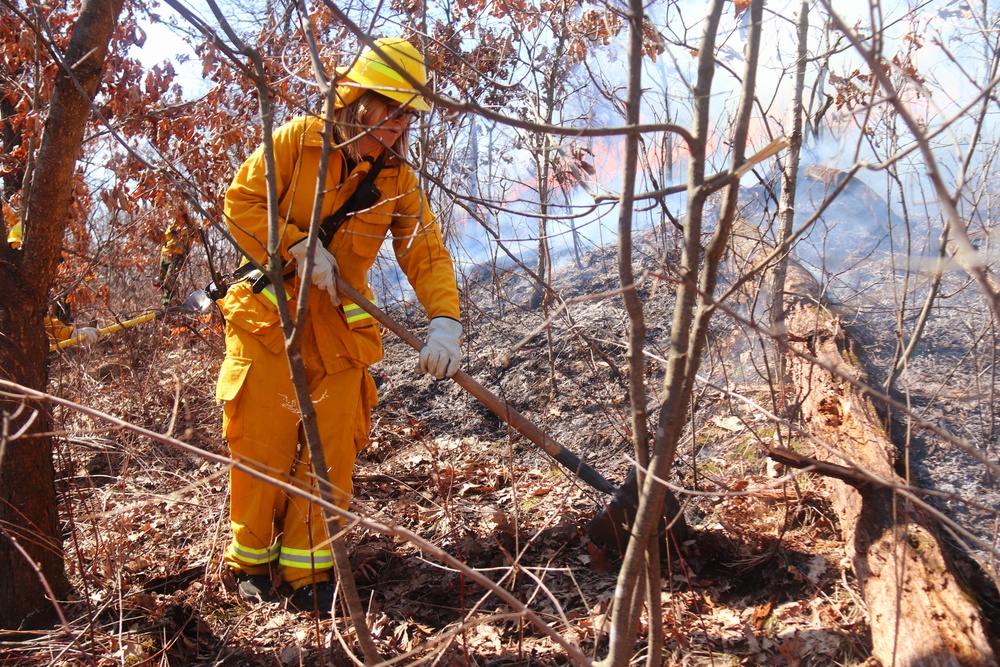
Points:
498	406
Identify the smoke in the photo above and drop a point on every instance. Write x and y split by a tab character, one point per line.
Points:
885	221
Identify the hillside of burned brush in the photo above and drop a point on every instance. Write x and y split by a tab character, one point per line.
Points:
762	579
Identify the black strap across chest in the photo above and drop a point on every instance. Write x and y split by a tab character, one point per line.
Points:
364	197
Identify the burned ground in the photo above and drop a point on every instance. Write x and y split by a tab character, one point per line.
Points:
762	580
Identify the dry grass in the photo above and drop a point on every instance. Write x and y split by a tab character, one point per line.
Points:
763	581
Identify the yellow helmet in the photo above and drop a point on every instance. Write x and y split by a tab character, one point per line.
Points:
374	72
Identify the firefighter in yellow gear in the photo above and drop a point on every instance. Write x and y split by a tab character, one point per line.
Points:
172	255
57	331
55	328
12	223
275	532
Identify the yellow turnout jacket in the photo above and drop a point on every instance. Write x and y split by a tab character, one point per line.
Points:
12	221
345	335
176	243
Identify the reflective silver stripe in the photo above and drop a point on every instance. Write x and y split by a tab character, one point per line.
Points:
303	558
254	556
354	312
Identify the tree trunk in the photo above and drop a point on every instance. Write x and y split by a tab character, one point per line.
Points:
918	611
28	507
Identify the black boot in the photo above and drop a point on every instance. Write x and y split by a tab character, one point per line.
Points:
255	587
317	597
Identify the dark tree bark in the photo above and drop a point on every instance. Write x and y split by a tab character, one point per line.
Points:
918	611
28	506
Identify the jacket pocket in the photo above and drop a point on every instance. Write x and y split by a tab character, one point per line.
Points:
254	314
356	316
366	334
367	238
228	389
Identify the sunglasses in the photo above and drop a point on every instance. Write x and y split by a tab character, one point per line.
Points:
396	110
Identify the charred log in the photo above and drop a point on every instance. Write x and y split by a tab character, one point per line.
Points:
918	610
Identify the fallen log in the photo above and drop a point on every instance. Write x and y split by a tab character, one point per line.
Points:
918	610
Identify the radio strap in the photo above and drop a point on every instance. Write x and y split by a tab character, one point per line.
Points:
365	196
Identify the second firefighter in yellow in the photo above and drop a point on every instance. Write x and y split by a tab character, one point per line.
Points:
275	532
176	246
12	223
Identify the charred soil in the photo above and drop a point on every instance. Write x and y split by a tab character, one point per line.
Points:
762	581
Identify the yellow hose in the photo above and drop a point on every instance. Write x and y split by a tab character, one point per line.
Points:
118	326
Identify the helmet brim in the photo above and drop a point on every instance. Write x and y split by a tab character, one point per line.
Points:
405	97
410	98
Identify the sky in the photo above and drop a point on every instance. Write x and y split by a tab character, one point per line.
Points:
163	42
668	72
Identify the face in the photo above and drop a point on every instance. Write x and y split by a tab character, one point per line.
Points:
387	124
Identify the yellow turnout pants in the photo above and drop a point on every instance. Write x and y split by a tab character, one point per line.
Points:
261	422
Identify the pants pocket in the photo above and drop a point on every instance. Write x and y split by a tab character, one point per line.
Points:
232	377
363	424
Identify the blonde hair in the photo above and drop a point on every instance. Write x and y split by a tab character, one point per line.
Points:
349	124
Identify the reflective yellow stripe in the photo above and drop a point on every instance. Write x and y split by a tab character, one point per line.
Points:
385	70
321	559
268	291
354	312
251	555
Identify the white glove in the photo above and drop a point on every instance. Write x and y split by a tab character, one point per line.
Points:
324	270
441	354
90	334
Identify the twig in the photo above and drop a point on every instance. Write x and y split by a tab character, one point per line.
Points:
273	477
844	474
43	580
